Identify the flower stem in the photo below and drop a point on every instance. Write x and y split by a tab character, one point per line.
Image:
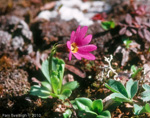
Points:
53	51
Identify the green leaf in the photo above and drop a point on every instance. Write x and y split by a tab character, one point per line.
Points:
47	85
73	102
133	68
116	87
36	90
132	88
104	114
83	103
145	96
55	82
53	70
108	25
45	69
54	95
87	109
146	87
97	106
67	113
146	109
119	97
135	71
65	94
70	85
58	66
112	25
87	114
113	90
126	41
137	109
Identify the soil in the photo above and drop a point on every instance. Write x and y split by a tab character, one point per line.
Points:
26	41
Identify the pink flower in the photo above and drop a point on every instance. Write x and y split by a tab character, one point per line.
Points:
78	44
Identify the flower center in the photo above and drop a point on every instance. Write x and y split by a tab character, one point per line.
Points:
74	47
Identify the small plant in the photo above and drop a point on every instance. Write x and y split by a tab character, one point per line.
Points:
120	93
67	113
108	25
88	109
126	41
138	110
53	70
135	25
135	71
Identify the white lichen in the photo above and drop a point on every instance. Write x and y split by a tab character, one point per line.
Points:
106	69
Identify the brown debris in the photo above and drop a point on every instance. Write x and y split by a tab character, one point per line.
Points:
75	71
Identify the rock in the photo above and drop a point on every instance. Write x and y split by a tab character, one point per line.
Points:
47	15
67	14
55	30
15	36
15	25
5	38
14	81
74	10
17	43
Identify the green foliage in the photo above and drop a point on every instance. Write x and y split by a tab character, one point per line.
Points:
120	93
145	96
135	71
70	85
141	109
132	88
126	41
108	25
97	106
88	109
67	113
45	70
53	70
39	91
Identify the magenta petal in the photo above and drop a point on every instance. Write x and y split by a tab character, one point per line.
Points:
83	32
86	55
81	43
81	35
77	56
87	48
86	40
77	34
69	45
72	37
70	55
